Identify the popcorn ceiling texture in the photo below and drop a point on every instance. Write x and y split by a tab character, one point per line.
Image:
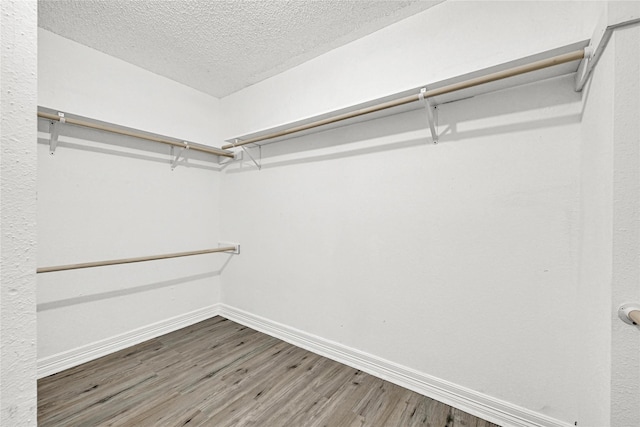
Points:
220	47
18	213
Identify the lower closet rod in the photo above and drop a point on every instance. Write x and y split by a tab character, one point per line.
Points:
130	260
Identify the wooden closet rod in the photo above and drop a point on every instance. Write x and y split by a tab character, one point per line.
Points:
131	260
523	69
71	120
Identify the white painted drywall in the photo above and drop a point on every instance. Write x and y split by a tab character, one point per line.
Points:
625	350
75	78
609	270
18	41
103	196
463	260
596	250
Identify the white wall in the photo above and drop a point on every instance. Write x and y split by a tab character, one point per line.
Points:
18	213
609	269
102	196
596	250
463	260
625	343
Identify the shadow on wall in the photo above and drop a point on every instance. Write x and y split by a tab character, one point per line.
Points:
96	141
128	291
507	111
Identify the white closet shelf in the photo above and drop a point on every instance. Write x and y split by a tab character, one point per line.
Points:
564	68
57	117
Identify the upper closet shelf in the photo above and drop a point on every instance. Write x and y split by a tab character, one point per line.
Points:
544	65
56	117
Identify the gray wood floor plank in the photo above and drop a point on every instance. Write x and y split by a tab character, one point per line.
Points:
282	377
286	396
404	411
463	419
381	403
219	373
341	405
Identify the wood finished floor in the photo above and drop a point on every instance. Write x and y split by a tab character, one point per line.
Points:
219	373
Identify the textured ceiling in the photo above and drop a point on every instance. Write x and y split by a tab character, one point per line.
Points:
219	47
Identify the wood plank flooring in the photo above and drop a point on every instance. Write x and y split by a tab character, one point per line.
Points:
219	373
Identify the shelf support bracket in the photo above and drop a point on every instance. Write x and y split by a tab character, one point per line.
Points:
430	118
258	165
177	158
587	63
54	133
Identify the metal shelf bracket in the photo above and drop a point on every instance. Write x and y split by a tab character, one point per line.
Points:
430	116
177	156
258	165
54	132
587	64
239	155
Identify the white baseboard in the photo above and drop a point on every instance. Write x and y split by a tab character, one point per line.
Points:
478	404
68	359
